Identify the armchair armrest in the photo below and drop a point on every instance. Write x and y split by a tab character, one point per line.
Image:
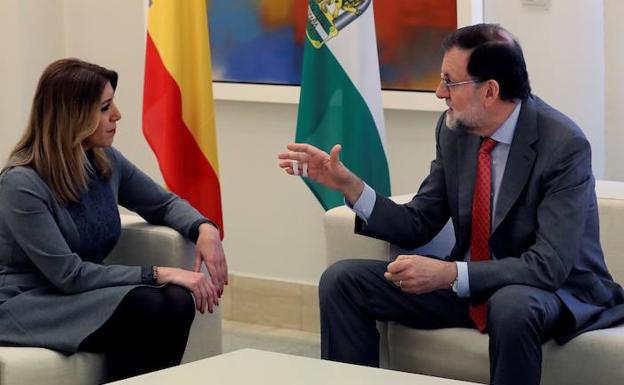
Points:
142	244
342	243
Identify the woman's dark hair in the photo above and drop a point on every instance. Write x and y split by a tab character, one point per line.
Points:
65	111
495	55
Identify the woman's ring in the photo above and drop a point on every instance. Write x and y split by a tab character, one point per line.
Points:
401	283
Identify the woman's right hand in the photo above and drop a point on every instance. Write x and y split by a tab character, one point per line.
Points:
203	290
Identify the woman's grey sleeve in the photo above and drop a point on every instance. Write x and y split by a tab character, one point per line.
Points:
24	205
139	193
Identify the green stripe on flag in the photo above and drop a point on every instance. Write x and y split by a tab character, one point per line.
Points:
320	16
332	111
313	34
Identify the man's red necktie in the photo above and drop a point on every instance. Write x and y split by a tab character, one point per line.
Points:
481	221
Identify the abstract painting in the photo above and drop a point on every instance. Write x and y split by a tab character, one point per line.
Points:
261	41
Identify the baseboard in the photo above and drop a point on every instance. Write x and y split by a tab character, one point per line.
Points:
270	302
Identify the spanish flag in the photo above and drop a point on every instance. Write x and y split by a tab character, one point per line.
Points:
178	115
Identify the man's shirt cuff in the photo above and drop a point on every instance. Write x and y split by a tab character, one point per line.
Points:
463	286
363	208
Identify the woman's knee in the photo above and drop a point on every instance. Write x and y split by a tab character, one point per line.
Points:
160	305
179	303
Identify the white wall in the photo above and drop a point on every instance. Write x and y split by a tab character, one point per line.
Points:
614	87
273	224
564	50
31	35
112	33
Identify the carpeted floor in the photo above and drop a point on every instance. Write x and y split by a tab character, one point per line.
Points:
238	335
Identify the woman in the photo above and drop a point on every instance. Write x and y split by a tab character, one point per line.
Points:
59	219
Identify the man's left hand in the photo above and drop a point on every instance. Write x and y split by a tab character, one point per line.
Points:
417	274
209	250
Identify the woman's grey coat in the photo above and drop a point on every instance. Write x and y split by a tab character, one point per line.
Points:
50	297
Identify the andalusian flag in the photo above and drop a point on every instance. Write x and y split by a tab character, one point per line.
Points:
178	117
340	98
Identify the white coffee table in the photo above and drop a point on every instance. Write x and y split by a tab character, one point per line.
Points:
257	367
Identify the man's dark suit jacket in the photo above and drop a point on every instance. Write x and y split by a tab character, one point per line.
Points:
545	229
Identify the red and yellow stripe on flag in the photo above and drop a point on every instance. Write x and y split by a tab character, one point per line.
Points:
178	115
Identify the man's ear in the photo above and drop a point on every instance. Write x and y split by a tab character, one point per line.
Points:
492	92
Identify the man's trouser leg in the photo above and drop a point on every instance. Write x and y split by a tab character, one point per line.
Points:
353	294
520	319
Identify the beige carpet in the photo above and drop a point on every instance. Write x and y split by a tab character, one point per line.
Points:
238	335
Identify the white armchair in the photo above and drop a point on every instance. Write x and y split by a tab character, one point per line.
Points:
140	244
595	357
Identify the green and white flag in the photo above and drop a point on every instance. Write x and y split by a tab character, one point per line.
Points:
340	101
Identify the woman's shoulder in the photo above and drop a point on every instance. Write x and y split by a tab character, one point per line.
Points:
21	175
22	179
114	155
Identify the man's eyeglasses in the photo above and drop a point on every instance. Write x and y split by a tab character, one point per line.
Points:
449	84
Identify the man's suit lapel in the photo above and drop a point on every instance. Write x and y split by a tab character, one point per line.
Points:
519	161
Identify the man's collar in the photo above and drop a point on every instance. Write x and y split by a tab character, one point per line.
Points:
505	133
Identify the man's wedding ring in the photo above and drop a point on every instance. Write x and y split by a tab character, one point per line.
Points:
400	283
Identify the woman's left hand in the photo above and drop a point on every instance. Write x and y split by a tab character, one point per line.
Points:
209	250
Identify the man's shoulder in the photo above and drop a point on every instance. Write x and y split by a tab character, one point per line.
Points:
557	135
551	122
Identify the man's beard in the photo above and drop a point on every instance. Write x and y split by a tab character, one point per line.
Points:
460	125
469	124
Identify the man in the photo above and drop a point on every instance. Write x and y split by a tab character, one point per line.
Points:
515	177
